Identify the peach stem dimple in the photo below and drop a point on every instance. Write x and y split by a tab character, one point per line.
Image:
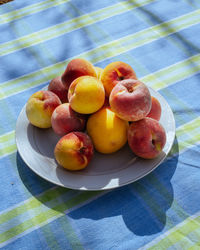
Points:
82	150
153	142
120	76
130	89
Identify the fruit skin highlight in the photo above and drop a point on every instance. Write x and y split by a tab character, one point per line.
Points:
74	151
40	107
156	110
58	88
114	73
86	95
65	120
76	68
146	138
107	131
130	100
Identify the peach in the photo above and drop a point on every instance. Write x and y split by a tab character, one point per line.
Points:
98	72
40	107
156	110
86	94
146	138
114	73
76	68
107	131
65	120
58	88
130	100
74	151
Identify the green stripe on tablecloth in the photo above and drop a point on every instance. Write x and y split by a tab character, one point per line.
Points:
33	203
6	137
7	143
8	150
98	54
50	237
171	74
68	26
43	217
29	10
180	234
64	224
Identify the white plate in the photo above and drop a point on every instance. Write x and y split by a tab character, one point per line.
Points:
36	148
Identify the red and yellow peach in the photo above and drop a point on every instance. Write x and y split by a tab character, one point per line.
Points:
65	120
74	151
57	87
114	73
130	100
146	138
156	110
40	107
76	68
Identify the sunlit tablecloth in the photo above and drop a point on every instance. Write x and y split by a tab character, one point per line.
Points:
160	39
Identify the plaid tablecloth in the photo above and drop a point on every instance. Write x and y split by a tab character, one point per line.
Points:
160	39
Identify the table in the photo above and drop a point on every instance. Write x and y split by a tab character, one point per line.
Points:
160	40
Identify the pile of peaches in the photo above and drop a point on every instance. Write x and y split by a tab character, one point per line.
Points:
94	108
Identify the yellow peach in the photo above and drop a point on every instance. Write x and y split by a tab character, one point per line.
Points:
107	131
74	151
86	95
40	107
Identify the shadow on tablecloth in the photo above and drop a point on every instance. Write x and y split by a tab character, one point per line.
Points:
142	205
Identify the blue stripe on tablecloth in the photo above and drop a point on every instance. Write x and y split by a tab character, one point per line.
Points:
188	108
75	45
151	57
169	50
34	240
72	44
162	11
16	5
13	169
71	9
62	13
160	53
